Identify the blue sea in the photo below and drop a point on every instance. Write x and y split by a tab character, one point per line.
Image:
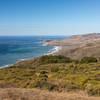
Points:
17	48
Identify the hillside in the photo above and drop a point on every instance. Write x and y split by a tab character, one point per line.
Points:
52	74
79	46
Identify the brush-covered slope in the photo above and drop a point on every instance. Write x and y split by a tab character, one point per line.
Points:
54	73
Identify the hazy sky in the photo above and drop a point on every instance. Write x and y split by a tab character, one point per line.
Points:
49	17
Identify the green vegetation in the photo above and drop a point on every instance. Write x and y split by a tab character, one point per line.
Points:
54	69
54	73
54	59
88	60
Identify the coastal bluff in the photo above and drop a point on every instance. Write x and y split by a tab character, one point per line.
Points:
78	46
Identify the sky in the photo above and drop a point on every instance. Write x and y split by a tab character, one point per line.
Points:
49	17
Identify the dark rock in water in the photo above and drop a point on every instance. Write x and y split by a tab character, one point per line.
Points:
48	40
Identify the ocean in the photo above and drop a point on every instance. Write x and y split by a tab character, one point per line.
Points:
17	48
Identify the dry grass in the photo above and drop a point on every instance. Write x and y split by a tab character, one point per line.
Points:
79	46
36	94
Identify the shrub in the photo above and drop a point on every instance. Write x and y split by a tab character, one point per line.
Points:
88	60
69	85
41	83
43	77
93	89
24	85
43	72
51	87
31	85
54	59
76	61
44	84
54	69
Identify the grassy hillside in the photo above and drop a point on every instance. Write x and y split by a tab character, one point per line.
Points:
54	73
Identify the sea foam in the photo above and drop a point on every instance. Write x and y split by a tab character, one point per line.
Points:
54	50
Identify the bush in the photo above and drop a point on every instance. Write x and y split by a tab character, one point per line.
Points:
88	60
51	87
43	77
41	83
54	69
93	89
24	85
54	59
43	72
69	85
44	84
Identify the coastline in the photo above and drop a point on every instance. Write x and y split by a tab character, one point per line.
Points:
53	51
6	66
75	47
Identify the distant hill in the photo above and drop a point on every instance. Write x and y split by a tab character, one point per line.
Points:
78	46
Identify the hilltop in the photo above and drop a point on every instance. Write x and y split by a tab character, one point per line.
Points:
79	46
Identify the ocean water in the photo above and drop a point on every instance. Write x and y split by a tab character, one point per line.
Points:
16	48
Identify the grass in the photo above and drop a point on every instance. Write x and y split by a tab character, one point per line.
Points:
54	73
37	94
